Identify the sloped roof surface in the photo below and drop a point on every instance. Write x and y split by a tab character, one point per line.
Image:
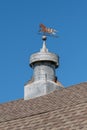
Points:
64	109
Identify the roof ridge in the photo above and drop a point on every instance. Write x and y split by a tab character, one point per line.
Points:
68	87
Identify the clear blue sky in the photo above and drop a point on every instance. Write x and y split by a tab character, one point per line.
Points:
19	25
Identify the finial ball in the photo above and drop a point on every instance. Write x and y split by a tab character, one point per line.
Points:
44	38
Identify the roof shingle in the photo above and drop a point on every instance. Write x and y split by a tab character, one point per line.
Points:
64	109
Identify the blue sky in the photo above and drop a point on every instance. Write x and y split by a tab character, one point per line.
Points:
19	25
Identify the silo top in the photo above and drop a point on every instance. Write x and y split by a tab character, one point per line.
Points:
44	55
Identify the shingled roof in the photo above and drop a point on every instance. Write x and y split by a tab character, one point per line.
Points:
64	109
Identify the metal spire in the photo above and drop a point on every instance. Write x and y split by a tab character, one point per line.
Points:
44	48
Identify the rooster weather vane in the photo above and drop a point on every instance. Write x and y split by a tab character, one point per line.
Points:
47	31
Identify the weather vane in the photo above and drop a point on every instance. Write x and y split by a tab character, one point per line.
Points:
47	31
